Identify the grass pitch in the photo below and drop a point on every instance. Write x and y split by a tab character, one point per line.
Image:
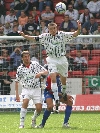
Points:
79	123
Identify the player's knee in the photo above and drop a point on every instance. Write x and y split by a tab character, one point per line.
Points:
70	102
39	110
50	107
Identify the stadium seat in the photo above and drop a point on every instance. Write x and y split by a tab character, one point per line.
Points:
73	53
58	19
7	6
81	11
85	52
90	72
8	1
12	74
95	52
1	73
96	58
93	63
77	74
97	20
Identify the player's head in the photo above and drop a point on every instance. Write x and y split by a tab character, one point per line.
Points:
52	28
25	57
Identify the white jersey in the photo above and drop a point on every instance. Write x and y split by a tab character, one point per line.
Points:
55	45
26	75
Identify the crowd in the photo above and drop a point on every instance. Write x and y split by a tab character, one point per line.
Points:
33	16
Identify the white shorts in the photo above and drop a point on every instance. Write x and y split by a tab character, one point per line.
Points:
34	94
59	65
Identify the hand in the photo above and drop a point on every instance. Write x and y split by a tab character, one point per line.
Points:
38	75
79	25
21	33
17	98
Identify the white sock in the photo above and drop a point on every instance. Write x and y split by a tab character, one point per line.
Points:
22	116
55	90
35	115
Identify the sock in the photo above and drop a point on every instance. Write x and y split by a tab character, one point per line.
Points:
56	107
35	115
22	116
55	90
45	116
67	113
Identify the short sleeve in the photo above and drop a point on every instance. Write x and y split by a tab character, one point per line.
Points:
39	67
42	38
18	75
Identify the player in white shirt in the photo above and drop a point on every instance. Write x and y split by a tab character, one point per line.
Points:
55	45
28	75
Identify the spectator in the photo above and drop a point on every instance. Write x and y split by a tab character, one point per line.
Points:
48	15
4	59
87	41
97	40
43	3
5	80
10	17
7	28
73	15
84	17
80	4
66	25
66	2
91	25
32	4
2	13
22	5
80	62
2	41
34	14
15	22
23	19
70	61
93	8
15	58
14	32
44	28
33	50
31	26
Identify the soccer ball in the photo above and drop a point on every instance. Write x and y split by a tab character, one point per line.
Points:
60	8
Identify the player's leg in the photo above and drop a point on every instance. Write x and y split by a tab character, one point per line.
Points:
47	112
23	112
68	110
53	72
37	99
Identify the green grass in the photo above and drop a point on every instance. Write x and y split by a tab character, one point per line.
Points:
79	122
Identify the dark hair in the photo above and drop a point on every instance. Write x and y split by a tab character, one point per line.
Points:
24	52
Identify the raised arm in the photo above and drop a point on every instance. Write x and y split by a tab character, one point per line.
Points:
76	33
30	38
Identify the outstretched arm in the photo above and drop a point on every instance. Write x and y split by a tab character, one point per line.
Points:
76	33
30	38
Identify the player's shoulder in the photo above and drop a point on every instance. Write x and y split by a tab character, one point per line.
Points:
34	62
44	35
20	67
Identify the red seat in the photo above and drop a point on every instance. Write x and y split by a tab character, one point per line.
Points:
85	52
96	58
73	53
77	74
12	74
97	20
93	63
95	52
90	72
7	6
81	11
58	19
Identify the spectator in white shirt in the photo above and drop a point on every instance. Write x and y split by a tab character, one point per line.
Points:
7	28
44	28
48	15
73	14
79	4
84	17
10	17
93	8
80	62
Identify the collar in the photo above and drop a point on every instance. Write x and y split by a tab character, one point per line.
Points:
26	66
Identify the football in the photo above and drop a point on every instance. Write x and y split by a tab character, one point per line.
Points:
60	8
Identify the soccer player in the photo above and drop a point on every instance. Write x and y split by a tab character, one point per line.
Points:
48	95
54	43
28	74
